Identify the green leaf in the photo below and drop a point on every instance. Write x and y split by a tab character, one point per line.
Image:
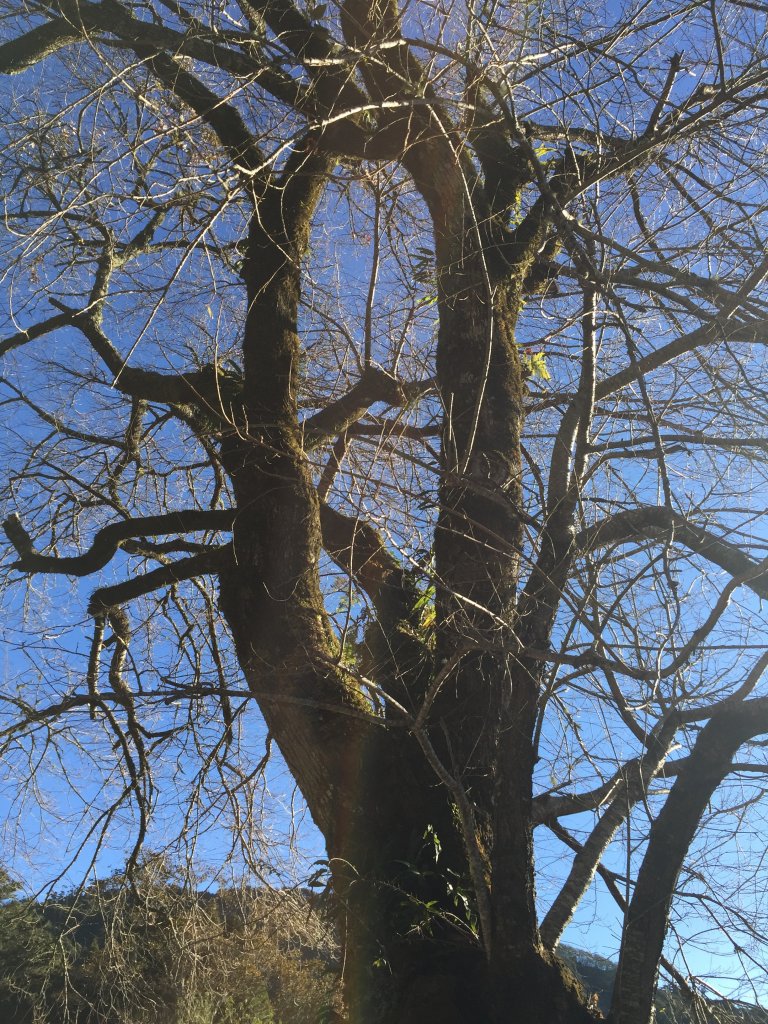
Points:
537	364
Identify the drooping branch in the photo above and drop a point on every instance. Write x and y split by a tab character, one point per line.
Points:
109	539
138	766
98	440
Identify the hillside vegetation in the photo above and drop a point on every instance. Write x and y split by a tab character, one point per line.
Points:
160	951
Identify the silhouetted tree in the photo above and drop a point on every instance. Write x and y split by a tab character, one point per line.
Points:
414	360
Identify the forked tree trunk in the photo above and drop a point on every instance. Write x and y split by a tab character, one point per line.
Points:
414	952
433	881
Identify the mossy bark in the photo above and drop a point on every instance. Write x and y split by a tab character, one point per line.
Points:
407	866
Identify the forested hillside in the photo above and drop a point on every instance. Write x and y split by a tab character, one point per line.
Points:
160	951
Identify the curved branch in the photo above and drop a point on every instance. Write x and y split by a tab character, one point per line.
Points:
60	426
717	331
671	835
547	808
108	539
112	17
652	521
609	880
709	334
210	561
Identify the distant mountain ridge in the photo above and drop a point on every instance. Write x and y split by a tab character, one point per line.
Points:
598	975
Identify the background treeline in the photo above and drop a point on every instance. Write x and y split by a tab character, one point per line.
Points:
159	950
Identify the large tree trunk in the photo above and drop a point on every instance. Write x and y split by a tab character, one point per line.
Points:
420	823
413	950
406	911
404	901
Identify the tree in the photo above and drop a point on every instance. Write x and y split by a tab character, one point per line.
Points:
415	360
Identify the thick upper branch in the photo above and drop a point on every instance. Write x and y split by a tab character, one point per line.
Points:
80	20
223	117
375	385
110	538
203	562
196	387
359	550
24	52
